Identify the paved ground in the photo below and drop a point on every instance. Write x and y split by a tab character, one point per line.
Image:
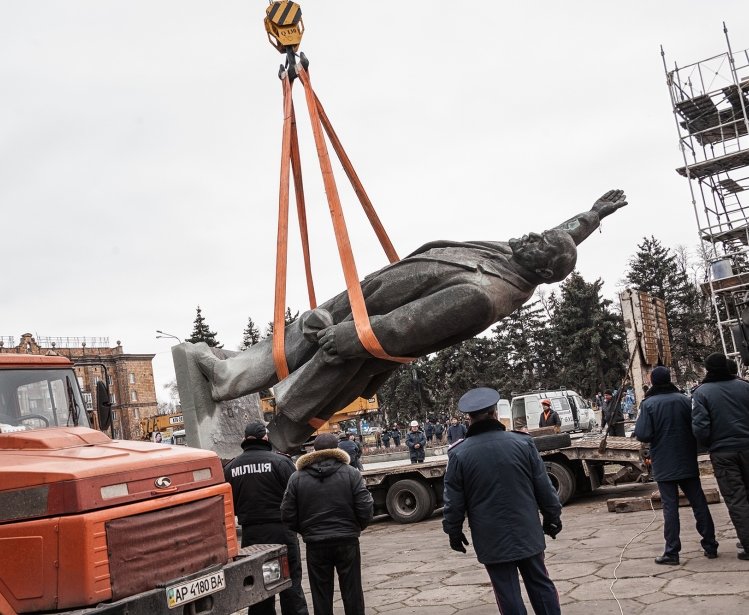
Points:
410	569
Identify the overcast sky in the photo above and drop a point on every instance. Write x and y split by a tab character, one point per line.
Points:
140	145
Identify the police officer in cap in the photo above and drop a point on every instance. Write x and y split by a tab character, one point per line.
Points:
258	480
498	480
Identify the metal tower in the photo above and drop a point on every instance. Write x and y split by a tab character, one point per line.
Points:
710	106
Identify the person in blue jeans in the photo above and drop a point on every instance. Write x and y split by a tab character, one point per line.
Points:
665	422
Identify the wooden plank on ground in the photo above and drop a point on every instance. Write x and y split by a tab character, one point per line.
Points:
626	505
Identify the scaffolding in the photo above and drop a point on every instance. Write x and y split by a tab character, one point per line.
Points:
710	105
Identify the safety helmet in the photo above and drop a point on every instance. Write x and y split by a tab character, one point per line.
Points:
414	423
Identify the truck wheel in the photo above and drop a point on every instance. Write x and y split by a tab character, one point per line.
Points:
562	479
409	501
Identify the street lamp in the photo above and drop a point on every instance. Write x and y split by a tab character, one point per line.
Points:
167	335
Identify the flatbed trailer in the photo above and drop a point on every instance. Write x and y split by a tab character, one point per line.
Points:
410	492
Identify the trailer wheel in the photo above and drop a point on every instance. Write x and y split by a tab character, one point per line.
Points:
562	479
409	501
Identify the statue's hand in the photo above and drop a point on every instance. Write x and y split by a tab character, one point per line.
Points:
609	203
327	343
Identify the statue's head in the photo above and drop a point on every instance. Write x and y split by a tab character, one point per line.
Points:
551	255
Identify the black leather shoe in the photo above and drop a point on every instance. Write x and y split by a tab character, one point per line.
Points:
667	560
711	554
743	555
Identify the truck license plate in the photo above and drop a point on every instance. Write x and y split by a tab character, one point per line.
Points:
190	590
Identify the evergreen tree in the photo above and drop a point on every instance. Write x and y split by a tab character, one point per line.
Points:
657	271
250	335
201	332
453	371
404	397
589	337
521	350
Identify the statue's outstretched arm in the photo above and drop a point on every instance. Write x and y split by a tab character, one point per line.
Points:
582	225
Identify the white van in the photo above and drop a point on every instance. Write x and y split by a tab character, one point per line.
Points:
574	412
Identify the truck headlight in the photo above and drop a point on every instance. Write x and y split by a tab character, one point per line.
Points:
271	571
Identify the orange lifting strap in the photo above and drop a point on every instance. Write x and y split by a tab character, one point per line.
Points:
290	161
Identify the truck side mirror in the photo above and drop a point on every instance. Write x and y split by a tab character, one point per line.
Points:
103	406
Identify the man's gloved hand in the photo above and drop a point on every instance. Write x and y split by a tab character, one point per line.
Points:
552	528
457	540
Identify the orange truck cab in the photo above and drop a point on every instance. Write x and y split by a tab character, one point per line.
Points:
94	525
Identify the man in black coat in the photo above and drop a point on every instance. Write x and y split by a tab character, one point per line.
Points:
498	480
456	431
549	416
395	434
327	502
346	443
416	442
439	430
720	421
665	421
612	415
258	479
429	431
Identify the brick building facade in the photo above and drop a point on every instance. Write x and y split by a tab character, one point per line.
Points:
129	376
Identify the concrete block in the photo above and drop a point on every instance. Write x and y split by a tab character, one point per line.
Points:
625	505
210	425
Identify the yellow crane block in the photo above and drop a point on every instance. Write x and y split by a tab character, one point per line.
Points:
283	23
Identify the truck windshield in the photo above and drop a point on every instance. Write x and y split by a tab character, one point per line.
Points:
40	398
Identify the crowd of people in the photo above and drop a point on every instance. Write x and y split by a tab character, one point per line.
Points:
323	496
437	432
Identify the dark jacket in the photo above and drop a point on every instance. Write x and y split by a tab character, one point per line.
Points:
720	415
396	435
258	479
352	450
665	421
413	438
611	413
429	429
455	433
439	429
326	499
498	480
552	421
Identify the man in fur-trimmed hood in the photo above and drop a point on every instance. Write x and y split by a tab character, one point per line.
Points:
327	502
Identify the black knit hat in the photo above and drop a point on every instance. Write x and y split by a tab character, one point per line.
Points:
660	375
256	430
325	440
716	363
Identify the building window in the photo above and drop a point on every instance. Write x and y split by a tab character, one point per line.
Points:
109	380
80	382
131	378
113	399
133	396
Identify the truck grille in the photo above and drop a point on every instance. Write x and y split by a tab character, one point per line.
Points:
151	549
